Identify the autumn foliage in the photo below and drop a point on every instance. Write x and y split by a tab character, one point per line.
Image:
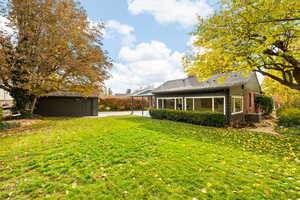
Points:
252	35
52	47
122	104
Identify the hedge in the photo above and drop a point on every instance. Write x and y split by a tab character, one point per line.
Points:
266	103
121	104
204	118
289	117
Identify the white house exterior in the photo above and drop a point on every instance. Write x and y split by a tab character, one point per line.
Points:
5	98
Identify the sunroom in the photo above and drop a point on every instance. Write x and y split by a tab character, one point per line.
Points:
200	103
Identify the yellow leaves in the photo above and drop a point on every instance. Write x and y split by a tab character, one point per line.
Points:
238	39
59	49
267	192
203	190
74	185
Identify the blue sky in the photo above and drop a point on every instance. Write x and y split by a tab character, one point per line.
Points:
146	38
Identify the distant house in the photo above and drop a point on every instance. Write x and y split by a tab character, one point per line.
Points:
5	98
235	97
67	105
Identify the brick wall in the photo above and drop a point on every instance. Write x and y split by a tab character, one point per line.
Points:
249	102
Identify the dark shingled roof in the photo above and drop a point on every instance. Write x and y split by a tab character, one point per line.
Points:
69	94
192	84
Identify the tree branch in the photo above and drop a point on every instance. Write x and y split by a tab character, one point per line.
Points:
289	84
281	20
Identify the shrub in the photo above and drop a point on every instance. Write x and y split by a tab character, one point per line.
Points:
205	118
289	117
266	103
5	125
121	104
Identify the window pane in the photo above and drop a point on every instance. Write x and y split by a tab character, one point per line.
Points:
219	105
159	103
169	103
179	104
189	104
203	104
238	104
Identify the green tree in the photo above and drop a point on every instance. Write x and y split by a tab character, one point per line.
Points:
252	35
53	47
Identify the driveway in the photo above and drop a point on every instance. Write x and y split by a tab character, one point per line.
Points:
122	113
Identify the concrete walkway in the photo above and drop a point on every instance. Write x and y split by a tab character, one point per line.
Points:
123	113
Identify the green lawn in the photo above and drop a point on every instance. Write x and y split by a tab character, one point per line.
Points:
139	158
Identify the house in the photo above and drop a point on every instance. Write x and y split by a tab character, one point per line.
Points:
67	105
5	98
235	97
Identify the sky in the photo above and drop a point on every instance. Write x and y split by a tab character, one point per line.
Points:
146	39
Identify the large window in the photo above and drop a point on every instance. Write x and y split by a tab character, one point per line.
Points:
179	104
160	103
175	103
236	104
219	105
169	103
203	104
216	104
189	104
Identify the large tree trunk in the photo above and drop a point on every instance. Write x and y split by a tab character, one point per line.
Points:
22	101
33	105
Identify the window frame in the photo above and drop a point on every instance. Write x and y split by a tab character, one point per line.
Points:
206	97
164	98
233	104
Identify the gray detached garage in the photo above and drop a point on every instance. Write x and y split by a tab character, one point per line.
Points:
67	105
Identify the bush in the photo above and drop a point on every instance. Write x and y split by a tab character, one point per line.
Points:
204	118
121	104
289	117
266	103
5	125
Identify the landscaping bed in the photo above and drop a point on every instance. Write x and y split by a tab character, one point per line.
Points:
141	158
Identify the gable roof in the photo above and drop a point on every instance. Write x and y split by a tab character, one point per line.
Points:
142	93
192	84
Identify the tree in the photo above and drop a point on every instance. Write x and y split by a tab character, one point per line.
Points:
282	94
53	47
252	35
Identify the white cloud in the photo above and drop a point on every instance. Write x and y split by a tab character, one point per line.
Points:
184	12
126	32
4	28
145	64
192	48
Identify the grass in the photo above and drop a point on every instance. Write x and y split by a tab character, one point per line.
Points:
139	158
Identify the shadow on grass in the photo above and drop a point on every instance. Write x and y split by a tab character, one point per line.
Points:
279	146
41	124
